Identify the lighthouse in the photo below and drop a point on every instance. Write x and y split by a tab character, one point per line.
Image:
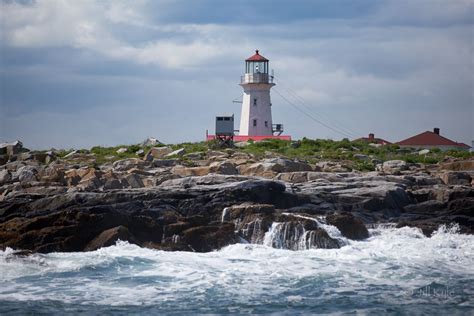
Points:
256	113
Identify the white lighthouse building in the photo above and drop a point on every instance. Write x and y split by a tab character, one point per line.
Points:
256	115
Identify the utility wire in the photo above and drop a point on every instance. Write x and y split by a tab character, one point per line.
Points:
310	116
334	123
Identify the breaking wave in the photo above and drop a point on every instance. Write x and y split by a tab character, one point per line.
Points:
394	271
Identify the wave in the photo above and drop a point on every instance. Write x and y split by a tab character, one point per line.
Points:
387	269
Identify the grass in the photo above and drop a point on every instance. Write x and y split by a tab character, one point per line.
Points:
311	150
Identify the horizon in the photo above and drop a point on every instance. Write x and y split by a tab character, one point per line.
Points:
83	74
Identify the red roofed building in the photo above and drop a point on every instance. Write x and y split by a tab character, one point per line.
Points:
430	140
372	139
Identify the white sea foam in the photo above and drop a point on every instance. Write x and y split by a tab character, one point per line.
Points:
391	263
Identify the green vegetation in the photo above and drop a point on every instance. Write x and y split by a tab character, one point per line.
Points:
360	155
109	154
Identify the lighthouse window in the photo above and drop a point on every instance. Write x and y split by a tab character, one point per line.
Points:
255	102
266	124
226	118
254	122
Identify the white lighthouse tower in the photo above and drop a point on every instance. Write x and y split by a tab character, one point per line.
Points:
256	115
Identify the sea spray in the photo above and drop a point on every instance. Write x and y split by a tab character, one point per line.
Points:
293	235
397	270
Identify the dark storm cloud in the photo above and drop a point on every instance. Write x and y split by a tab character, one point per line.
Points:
108	72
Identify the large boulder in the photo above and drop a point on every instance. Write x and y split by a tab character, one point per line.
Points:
26	174
331	166
91	179
190	171
151	141
305	176
5	176
177	153
271	167
109	237
293	177
251	221
456	178
211	237
349	226
223	167
13	148
393	166
460	165
134	181
291	231
157	153
71	177
52	174
162	163
128	164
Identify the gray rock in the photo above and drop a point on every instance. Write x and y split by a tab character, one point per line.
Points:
349	226
12	148
26	174
194	156
456	178
160	163
392	166
331	166
157	152
5	176
127	164
109	237
271	167
151	141
121	150
224	167
134	181
178	152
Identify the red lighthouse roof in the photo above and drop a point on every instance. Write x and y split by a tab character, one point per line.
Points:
256	57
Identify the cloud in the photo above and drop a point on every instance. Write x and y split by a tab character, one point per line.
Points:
384	63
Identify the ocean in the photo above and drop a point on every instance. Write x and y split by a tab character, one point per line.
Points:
395	271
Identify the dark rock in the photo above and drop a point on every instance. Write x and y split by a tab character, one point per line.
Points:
429	207
5	176
295	233
26	174
127	164
160	163
456	178
109	237
208	238
134	181
350	226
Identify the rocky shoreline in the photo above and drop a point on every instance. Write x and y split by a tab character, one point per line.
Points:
204	201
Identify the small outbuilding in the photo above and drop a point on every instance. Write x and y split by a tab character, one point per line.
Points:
428	140
373	139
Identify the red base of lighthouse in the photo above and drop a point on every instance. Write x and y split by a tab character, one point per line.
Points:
243	138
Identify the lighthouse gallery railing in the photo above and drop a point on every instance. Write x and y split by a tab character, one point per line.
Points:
256	78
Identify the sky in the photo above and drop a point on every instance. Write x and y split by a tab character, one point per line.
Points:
74	74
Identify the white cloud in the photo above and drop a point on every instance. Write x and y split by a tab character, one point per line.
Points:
408	55
85	24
